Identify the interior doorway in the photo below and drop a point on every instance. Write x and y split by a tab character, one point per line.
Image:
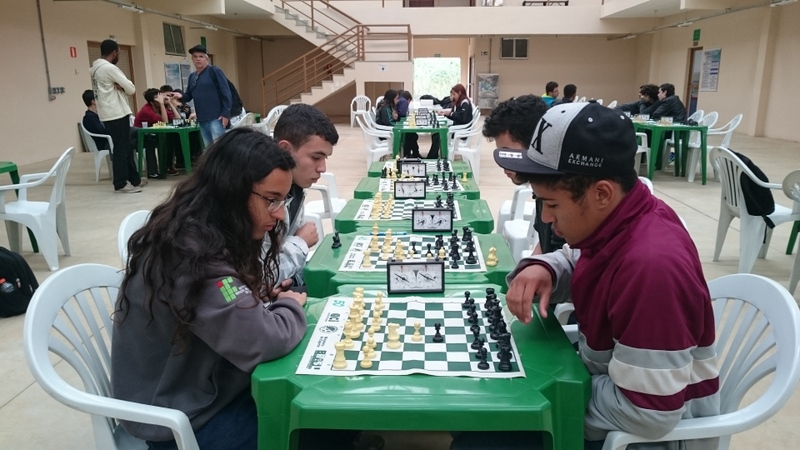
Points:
436	76
125	64
693	78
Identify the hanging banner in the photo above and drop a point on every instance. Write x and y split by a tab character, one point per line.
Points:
709	78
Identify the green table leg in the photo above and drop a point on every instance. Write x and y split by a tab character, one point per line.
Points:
187	151
793	237
655	151
703	156
140	146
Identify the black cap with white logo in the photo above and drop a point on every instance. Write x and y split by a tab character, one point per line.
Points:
576	138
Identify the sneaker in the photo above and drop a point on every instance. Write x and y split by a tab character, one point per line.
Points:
153	175
142	183
672	157
128	189
172	171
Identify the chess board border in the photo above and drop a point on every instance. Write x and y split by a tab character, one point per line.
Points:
416	211
410	182
387	185
390	285
317	358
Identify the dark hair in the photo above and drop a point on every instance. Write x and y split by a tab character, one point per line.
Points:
650	90
668	88
205	220
570	90
389	97
150	95
550	87
108	47
575	184
462	94
517	116
88	96
166	88
406	95
299	122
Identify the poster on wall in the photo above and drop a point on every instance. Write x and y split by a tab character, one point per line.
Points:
710	72
488	90
186	69
172	75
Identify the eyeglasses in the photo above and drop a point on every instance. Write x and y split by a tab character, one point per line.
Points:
275	205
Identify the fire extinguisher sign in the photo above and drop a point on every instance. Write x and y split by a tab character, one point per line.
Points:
73	52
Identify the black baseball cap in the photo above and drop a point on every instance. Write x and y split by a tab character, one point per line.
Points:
198	48
576	138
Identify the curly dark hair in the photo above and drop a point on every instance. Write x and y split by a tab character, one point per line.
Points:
207	219
517	116
576	184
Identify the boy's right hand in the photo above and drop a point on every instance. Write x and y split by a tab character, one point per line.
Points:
299	297
308	233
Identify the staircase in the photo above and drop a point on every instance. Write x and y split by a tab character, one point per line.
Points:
341	43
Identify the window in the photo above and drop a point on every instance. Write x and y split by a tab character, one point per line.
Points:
173	40
513	48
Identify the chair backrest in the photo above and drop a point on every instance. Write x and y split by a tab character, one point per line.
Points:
59	171
70	315
372	137
521	195
791	187
647	183
273	115
599	101
89	143
426	103
730	167
129	225
378	100
361	103
706	121
728	130
248	120
612	104
696	116
582	100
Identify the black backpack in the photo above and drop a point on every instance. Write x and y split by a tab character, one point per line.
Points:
19	285
758	200
236	101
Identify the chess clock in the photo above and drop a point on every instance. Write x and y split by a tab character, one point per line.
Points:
403	161
404	189
431	219
414	169
414	277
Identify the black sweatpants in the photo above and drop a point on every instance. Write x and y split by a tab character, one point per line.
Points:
122	159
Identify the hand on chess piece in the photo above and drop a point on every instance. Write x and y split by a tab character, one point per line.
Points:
533	280
308	233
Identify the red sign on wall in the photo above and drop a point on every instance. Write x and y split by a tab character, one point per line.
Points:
73	52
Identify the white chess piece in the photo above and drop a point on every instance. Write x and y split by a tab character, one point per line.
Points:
339	361
394	336
366	363
348	331
417	337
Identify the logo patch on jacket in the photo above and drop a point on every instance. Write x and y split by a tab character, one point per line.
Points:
230	292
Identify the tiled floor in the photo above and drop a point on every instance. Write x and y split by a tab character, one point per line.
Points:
30	419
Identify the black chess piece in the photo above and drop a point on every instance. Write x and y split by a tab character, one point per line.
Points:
430	253
383	172
489	291
414	247
477	343
481	351
336	242
453	263
445	186
475	328
471	258
427	180
483	365
455	184
473	318
438	336
466	233
471	308
505	360
466	299
438	203
435	180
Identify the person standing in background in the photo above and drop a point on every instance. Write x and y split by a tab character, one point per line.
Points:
208	87
111	90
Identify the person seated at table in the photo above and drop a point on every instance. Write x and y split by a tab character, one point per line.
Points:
196	312
570	92
91	121
386	114
669	105
460	113
160	107
305	133
185	110
550	93
648	95
648	345
411	145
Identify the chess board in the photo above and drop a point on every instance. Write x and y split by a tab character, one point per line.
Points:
431	166
353	260
452	357
387	185
401	210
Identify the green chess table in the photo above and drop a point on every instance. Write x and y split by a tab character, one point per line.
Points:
330	268
459	167
473	213
551	398
368	187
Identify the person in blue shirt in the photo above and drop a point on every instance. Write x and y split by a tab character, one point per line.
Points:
91	121
209	89
550	93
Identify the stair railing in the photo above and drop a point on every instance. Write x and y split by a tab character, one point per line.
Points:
313	12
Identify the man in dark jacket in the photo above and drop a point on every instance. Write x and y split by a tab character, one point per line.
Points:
669	105
648	95
91	121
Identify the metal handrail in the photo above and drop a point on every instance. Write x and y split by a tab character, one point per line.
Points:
321	63
314	22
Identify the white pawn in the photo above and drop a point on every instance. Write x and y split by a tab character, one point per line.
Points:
366	261
366	363
371	344
491	260
339	361
417	337
348	330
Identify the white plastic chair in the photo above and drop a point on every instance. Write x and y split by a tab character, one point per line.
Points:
754	235
451	132
791	187
757	323
523	194
696	116
331	205
99	155
612	105
130	224
70	316
47	220
373	145
359	105
599	101
315	219
696	153
468	145
582	100
642	149
272	118
248	120
378	100
519	232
